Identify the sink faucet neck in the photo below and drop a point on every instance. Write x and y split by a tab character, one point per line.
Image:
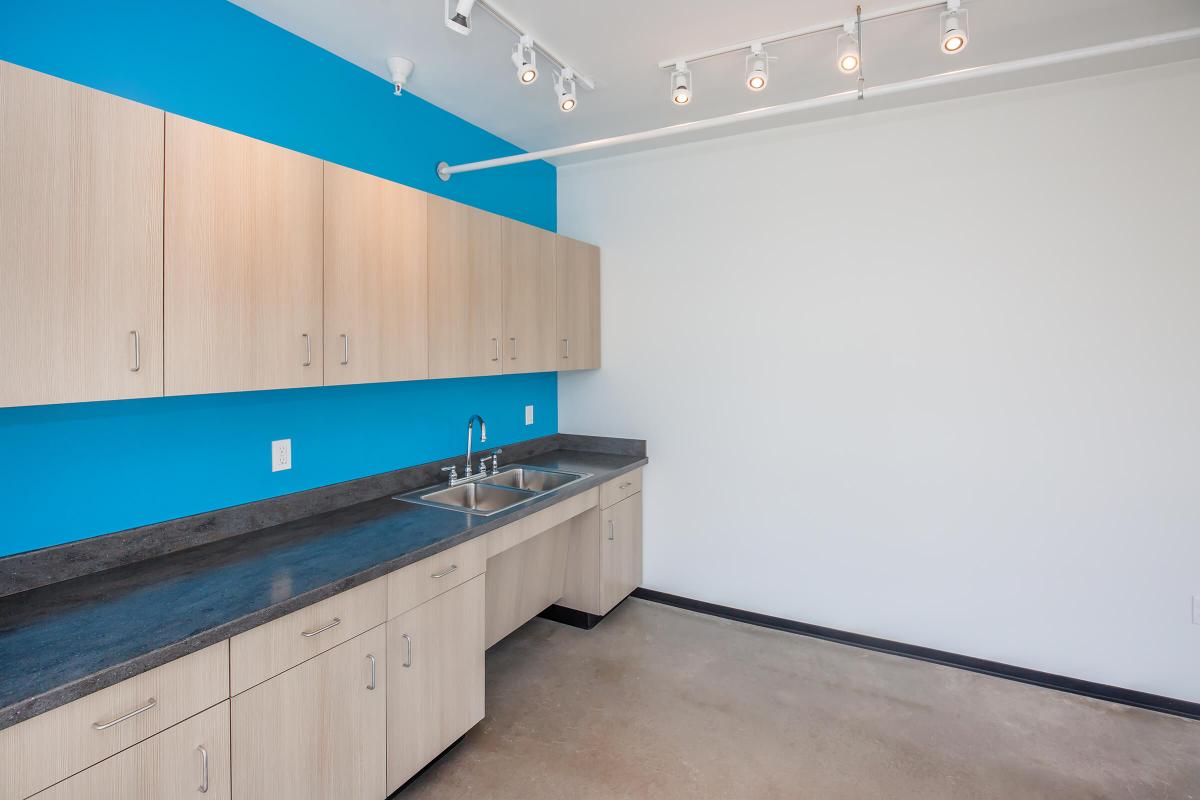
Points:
471	439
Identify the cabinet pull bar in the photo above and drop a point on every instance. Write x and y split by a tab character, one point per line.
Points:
203	769
137	351
566	348
513	339
612	526
101	726
447	572
371	685
345	349
307	350
309	634
407	650
495	349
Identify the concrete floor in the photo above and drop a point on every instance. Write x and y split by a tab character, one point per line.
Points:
656	702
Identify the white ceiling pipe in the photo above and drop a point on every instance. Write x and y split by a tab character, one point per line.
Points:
445	170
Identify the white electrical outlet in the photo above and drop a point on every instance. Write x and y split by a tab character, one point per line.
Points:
1196	609
528	415
281	455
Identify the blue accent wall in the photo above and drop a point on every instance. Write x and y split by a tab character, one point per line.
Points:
73	471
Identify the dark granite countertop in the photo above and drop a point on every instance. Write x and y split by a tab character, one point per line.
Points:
66	640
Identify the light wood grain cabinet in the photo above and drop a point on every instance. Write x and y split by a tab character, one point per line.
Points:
187	761
435	678
81	230
620	551
578	268
465	299
530	299
604	549
242	263
318	730
376	279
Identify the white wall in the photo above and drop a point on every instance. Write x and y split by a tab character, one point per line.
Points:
930	374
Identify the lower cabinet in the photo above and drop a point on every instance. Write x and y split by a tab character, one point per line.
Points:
318	730
620	551
435	679
181	762
604	555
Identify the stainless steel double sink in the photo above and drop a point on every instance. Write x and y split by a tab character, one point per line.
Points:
511	486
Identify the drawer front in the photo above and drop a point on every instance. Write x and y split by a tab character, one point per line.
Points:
429	577
48	748
618	489
266	651
185	761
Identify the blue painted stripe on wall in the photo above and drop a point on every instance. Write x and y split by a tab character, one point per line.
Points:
72	471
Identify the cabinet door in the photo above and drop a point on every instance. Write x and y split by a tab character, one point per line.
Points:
620	551
578	305
376	292
464	290
242	263
187	760
530	301
80	243
318	730
435	684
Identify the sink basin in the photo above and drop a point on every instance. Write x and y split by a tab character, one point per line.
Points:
533	479
476	498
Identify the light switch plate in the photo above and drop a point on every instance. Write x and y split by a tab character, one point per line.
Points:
528	415
281	455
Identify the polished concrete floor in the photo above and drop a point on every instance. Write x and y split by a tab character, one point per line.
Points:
656	702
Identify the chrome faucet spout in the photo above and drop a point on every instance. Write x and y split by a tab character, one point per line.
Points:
471	438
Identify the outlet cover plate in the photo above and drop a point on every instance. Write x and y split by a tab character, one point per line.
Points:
281	455
528	415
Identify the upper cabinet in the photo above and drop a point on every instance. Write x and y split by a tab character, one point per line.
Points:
578	305
464	290
530	301
376	279
81	232
243	263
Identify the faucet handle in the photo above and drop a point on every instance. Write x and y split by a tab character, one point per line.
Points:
496	459
453	470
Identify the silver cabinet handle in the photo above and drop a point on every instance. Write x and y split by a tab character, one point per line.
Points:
203	770
307	350
452	566
625	485
345	349
101	726
612	529
309	634
566	348
513	339
371	685
495	349
407	650
137	351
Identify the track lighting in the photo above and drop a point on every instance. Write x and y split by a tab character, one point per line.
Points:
847	48
564	87
756	68
681	85
459	20
954	31
401	69
525	61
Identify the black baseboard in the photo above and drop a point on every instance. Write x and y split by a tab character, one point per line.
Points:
569	616
1100	691
423	769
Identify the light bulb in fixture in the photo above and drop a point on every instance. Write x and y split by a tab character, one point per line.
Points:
564	88
525	60
953	28
757	69
681	85
848	57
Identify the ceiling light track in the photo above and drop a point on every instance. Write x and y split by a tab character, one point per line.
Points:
524	38
445	171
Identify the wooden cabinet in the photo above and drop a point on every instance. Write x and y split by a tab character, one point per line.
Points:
435	678
578	267
376	287
604	549
530	299
465	327
318	730
242	261
620	551
81	230
187	760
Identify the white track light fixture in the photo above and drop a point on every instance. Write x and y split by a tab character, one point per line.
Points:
681	85
458	19
564	88
401	69
525	60
954	31
847	48
757	68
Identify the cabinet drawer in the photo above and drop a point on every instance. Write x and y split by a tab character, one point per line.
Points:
429	577
189	759
618	489
50	747
270	649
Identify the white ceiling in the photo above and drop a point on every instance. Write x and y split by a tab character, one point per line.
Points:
618	43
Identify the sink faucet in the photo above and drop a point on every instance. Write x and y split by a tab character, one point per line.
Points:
468	472
471	439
